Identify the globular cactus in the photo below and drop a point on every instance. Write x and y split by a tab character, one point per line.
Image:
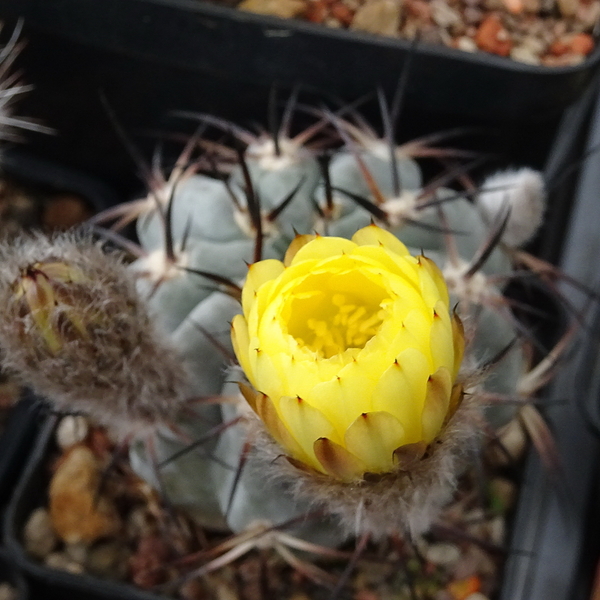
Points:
356	398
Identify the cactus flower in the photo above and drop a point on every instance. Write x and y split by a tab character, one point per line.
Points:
352	352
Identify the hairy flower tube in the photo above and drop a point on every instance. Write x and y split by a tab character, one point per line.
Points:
352	351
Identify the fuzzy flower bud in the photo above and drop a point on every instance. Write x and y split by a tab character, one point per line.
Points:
74	329
353	352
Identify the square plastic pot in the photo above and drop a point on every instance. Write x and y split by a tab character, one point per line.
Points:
149	57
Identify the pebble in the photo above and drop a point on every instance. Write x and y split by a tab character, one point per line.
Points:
443	554
38	535
77	513
71	430
514	442
286	9
60	561
65	211
443	14
476	596
504	491
378	16
493	37
109	560
466	43
525	55
8	592
76	552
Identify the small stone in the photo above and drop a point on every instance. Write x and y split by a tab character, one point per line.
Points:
466	44
286	9
476	596
65	211
108	560
567	7
8	592
503	492
493	37
582	43
76	552
316	11
588	13
513	442
71	430
147	564
524	55
342	13
443	554
419	9
443	14
497	530
60	561
378	16
78	514
38	535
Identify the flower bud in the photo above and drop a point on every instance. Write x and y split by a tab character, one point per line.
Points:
73	328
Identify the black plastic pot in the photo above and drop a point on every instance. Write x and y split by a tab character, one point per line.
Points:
555	545
16	441
10	574
149	57
539	513
29	495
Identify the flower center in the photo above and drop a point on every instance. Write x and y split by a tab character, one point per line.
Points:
330	321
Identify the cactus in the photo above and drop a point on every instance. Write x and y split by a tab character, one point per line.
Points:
198	233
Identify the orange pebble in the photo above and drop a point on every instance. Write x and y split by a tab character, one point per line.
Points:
463	588
492	37
316	12
342	13
559	47
582	43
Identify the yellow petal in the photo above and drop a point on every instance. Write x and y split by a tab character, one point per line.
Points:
376	236
437	400
400	391
373	437
241	345
323	247
442	342
298	242
306	424
432	275
265	409
337	461
258	274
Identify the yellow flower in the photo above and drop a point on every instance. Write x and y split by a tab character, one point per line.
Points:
352	351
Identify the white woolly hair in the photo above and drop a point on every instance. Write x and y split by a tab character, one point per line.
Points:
524	191
122	372
400	501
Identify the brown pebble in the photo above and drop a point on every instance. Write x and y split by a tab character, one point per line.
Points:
419	9
492	37
78	514
65	211
378	16
582	43
342	13
148	562
285	9
316	11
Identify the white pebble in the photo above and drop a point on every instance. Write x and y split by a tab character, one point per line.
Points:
443	554
38	535
8	592
523	190
72	430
